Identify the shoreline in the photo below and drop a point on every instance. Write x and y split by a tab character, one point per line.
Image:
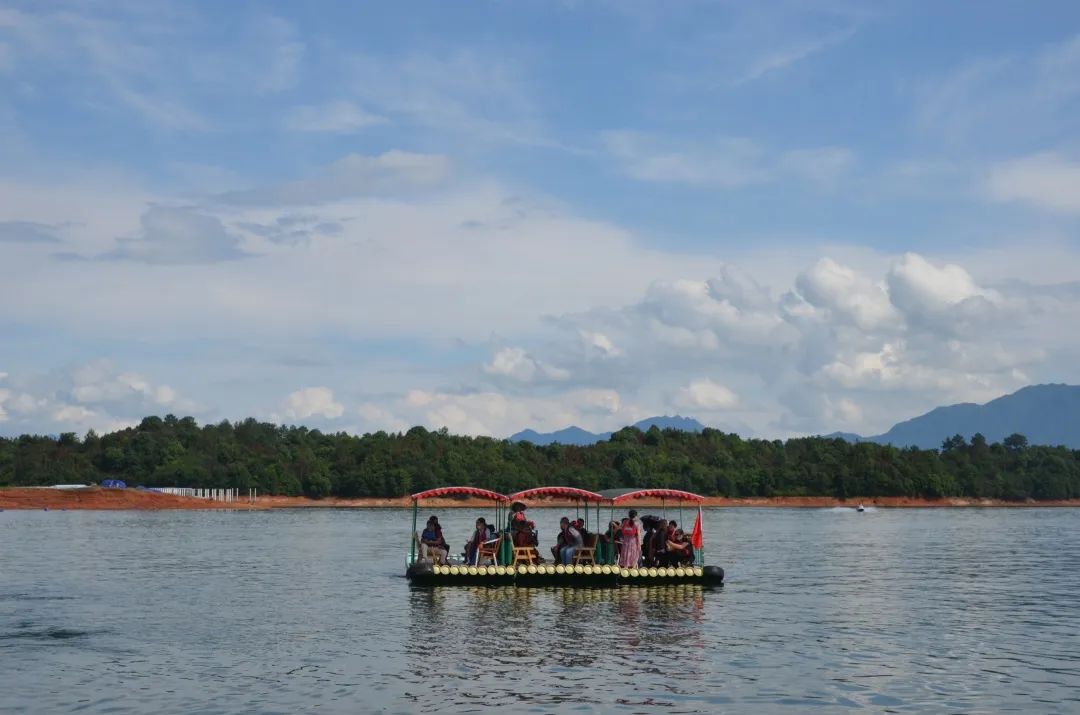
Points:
96	498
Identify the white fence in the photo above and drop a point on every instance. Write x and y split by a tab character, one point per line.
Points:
226	495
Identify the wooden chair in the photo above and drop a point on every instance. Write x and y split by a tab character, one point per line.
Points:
587	553
489	550
524	555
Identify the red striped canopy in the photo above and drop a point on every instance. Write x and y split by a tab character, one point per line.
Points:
564	492
615	496
461	491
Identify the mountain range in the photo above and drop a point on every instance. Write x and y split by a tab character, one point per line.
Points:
1045	414
578	436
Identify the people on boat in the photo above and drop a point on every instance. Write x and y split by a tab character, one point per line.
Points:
479	536
571	541
433	543
523	534
517	514
658	544
630	553
678	551
608	544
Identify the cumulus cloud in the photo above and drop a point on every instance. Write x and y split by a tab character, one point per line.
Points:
95	395
312	402
516	364
846	295
599	345
945	295
706	395
98	383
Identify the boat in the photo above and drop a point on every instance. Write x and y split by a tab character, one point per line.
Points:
860	508
506	565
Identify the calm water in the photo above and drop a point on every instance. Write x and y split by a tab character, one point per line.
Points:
306	611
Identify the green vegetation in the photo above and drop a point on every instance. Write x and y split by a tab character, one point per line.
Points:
296	460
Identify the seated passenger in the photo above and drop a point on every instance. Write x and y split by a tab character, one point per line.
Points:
433	543
472	547
571	541
559	544
679	550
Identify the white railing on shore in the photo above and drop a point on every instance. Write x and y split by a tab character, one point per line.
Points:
225	495
222	495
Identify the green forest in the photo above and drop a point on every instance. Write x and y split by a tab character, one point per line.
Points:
173	451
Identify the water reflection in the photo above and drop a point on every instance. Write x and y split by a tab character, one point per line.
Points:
503	637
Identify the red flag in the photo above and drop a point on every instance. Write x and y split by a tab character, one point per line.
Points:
696	538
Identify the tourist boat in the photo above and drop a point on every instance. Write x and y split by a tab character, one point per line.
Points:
512	566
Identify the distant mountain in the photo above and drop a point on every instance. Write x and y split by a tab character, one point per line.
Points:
846	436
580	437
1045	414
570	435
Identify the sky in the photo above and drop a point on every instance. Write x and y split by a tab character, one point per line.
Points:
781	218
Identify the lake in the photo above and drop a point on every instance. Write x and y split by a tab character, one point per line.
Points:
825	610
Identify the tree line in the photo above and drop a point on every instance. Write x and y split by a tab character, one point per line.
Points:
290	460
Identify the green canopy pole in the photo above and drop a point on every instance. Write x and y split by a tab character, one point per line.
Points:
412	540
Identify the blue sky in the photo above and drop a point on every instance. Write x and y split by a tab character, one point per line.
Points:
782	218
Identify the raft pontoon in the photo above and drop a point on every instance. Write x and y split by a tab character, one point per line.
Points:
510	569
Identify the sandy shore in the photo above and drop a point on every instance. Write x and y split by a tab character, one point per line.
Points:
95	498
106	499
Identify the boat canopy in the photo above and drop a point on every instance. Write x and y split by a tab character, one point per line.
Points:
461	491
617	496
565	492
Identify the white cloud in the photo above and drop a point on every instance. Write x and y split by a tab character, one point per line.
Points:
516	364
847	295
98	383
94	395
599	345
706	395
1045	181
497	414
945	294
312	402
376	417
340	117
